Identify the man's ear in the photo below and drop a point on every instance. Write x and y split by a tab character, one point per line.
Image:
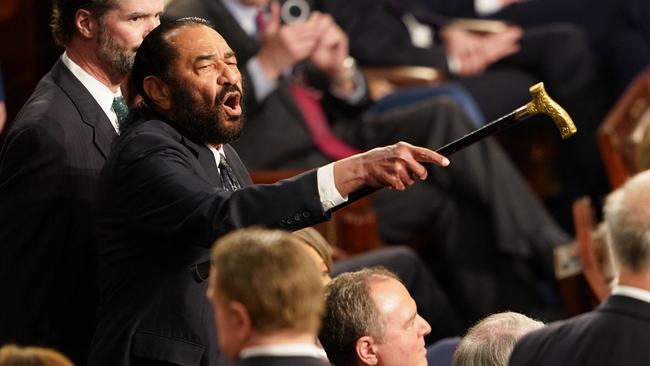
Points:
85	23
158	91
240	321
366	350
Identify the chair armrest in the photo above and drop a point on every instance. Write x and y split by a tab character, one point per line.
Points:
402	76
385	80
479	25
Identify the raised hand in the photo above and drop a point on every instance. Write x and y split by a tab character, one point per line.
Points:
332	47
473	53
396	166
283	45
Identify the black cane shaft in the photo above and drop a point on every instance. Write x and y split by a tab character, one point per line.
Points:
477	135
452	147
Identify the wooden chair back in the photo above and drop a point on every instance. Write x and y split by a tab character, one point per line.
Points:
593	249
623	130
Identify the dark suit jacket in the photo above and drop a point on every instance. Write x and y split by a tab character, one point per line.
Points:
49	166
282	361
277	118
617	333
160	209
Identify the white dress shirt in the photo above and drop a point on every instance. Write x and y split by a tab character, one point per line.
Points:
100	92
633	292
487	7
328	194
280	350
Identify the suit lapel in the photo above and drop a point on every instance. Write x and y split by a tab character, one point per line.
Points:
237	166
91	113
206	160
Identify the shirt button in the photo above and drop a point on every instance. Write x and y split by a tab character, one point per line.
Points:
297	217
306	214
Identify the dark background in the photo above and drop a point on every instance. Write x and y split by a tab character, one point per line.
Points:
27	49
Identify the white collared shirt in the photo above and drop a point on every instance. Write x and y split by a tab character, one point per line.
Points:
100	92
290	349
327	193
244	15
487	7
633	292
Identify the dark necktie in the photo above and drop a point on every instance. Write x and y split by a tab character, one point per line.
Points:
229	181
120	109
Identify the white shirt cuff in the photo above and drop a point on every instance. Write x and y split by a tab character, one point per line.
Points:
486	7
327	192
262	85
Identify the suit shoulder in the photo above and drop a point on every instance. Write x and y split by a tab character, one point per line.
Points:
49	107
147	138
540	346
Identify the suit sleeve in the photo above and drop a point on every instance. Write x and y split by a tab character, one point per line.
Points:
163	191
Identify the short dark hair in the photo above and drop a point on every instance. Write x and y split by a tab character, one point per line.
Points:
64	12
351	313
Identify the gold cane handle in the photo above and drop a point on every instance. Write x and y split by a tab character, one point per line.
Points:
542	103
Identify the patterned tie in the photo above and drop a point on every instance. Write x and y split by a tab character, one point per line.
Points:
120	109
229	181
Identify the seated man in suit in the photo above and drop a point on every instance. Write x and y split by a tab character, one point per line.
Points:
268	299
485	207
172	185
371	319
49	165
490	341
432	301
616	332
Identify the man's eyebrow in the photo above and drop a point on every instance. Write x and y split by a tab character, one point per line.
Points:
204	57
137	14
229	54
411	319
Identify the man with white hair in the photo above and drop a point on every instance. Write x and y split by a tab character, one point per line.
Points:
491	340
616	333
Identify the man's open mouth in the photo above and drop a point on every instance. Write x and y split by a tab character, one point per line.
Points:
232	104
